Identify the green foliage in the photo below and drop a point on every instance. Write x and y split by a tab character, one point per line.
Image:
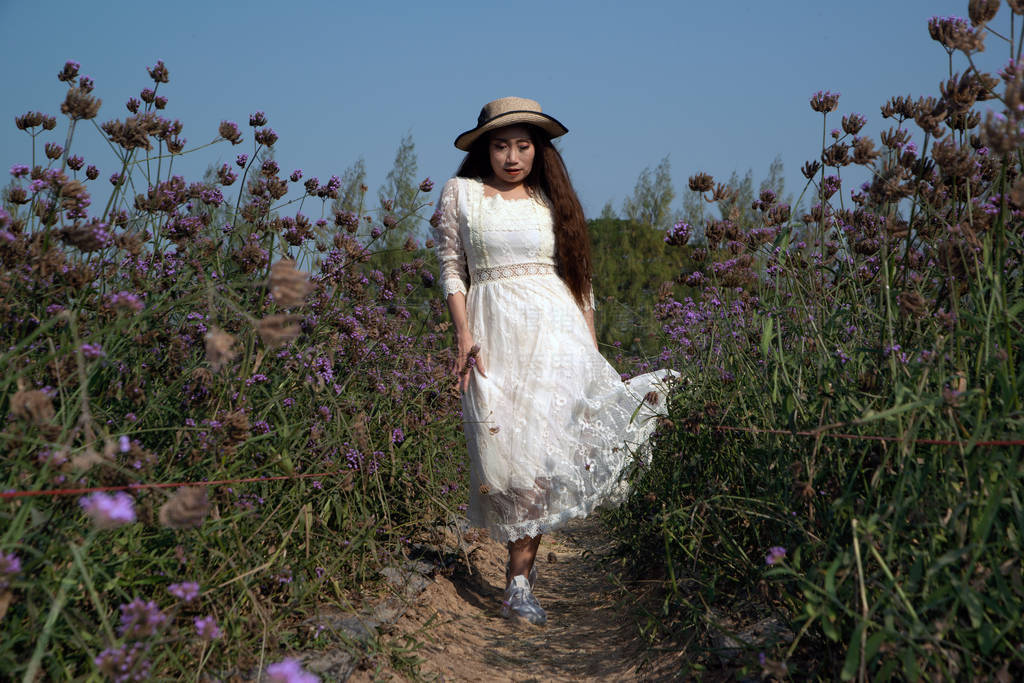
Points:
353	188
399	193
842	378
153	345
632	264
651	201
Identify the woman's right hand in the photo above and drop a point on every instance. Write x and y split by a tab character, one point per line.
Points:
467	360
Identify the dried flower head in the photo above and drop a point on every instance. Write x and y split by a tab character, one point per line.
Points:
289	286
32	405
900	107
701	182
53	150
88	459
16	195
824	101
79	104
219	351
88	237
229	131
257	119
158	72
852	123
1001	134
955	33
982	11
91	172
864	152
912	304
266	136
69	72
278	329
810	168
187	508
836	154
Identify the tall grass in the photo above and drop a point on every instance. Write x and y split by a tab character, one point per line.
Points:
170	336
893	310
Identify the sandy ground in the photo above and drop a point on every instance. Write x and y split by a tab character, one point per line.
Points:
463	637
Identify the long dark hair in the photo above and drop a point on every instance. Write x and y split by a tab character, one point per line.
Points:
572	239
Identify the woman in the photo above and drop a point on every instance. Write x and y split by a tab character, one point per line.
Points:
549	425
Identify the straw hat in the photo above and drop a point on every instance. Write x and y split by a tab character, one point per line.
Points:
505	112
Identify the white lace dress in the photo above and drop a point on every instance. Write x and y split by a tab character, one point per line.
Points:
552	428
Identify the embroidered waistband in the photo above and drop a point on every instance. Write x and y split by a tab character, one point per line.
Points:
511	271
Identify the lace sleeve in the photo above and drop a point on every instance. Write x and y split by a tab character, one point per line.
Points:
450	254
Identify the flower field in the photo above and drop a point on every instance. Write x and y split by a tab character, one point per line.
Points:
846	458
228	402
170	337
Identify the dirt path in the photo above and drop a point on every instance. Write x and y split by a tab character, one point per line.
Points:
587	637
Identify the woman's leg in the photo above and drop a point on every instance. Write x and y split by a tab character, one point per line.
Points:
521	553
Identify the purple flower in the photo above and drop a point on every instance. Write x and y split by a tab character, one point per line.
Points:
109	511
126	301
124	444
187	591
241	160
296	175
776	554
289	671
92	351
824	101
116	179
397	436
207	628
678	234
266	136
257	119
10	566
427	185
124	663
140	619
19	170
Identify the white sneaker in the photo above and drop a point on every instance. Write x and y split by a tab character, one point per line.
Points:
521	603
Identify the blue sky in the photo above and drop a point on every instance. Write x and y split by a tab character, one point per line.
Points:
716	86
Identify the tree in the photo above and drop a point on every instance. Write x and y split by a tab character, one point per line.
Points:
776	181
400	190
608	211
350	196
651	201
737	207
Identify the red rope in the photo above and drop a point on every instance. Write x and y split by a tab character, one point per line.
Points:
870	437
4	495
166	485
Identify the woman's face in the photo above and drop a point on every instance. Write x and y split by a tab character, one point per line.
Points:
511	154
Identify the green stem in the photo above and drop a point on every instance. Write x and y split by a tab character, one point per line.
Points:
56	607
